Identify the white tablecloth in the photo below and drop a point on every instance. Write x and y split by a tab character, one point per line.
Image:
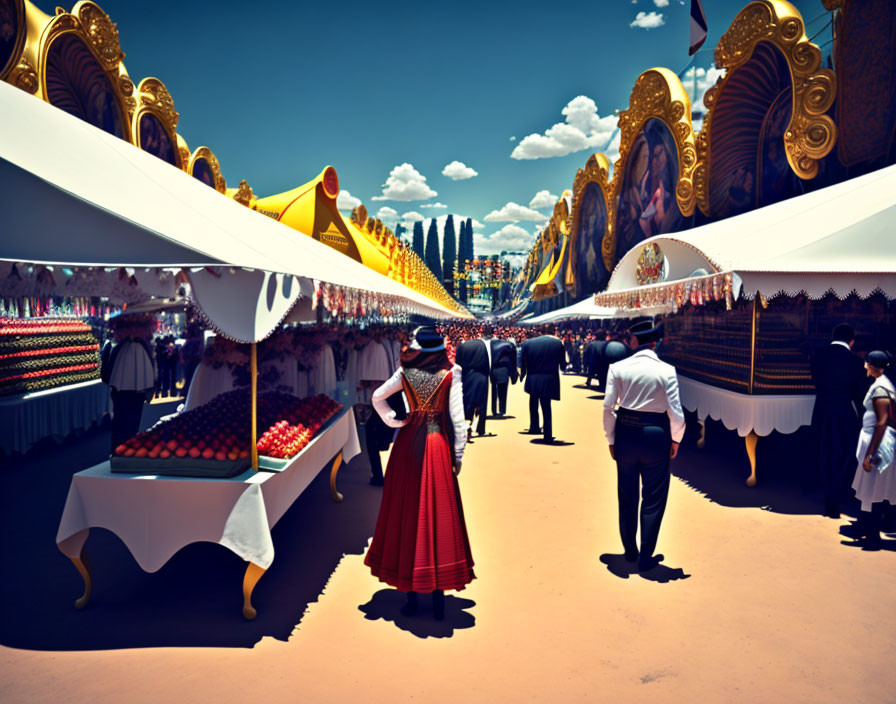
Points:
747	413
26	418
156	516
207	383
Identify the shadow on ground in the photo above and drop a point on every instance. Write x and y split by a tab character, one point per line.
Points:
386	605
622	568
196	598
785	469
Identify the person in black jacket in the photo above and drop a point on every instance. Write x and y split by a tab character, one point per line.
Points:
840	386
540	364
614	351
504	371
474	358
592	357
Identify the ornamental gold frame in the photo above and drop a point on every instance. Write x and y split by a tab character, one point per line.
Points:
811	134
657	94
209	156
596	171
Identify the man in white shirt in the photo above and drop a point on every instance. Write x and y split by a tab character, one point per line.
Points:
644	424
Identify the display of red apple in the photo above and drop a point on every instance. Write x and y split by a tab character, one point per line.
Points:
220	430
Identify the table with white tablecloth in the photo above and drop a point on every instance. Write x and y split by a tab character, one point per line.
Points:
155	516
751	415
27	418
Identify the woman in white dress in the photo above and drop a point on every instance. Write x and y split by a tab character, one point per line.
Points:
875	480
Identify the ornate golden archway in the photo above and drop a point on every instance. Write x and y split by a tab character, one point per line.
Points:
657	94
204	154
89	24
810	134
154	99
596	172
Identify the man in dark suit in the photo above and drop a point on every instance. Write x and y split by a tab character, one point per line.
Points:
504	371
540	364
592	356
474	358
840	386
614	351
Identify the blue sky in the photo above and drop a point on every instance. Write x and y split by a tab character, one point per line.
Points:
279	90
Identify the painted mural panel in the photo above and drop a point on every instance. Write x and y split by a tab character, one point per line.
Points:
647	204
155	140
591	274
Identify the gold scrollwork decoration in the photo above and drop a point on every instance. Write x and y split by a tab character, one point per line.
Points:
811	134
244	194
596	171
24	76
155	96
101	32
657	94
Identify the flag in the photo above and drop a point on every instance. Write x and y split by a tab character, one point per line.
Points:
698	26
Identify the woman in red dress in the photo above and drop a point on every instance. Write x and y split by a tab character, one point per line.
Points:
420	543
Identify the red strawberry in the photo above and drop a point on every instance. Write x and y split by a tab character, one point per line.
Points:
194	452
180	452
208	453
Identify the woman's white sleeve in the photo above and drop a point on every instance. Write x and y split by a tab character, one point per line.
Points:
456	409
382	406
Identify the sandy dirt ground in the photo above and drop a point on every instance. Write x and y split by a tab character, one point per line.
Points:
750	605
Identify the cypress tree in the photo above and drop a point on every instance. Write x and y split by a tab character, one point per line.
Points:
461	260
449	254
433	261
470	251
418	240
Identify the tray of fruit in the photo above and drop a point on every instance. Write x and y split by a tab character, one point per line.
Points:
213	440
284	441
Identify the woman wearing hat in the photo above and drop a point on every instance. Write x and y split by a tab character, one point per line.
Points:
420	542
875	480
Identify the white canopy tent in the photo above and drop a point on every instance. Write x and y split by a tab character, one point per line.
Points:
838	238
74	194
583	309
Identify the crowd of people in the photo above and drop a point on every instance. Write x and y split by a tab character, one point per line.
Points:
427	391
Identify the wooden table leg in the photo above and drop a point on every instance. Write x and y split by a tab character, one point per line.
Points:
337	497
253	574
701	441
83	568
750	442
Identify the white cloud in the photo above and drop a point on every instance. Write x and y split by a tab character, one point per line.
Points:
510	238
434	205
513	139
406	183
346	201
543	199
388	215
582	129
458	171
648	20
512	212
661	3
409	218
706	79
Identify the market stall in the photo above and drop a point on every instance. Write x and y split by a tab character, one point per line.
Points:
751	295
155	516
77	197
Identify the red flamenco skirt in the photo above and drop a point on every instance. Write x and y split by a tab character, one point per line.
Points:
420	543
